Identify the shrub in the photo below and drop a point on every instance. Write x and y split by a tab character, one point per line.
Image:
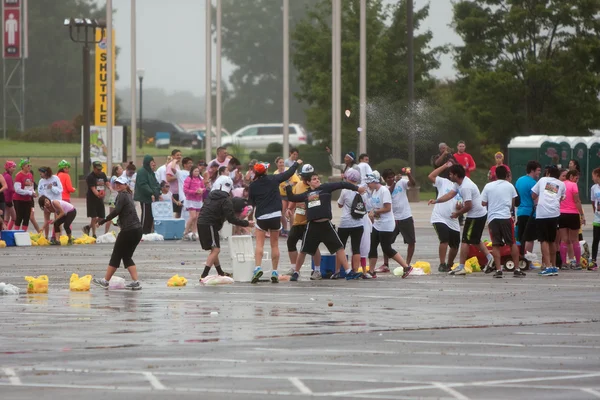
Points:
396	164
275	148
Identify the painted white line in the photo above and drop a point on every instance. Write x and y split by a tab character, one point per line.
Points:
450	391
156	384
227	360
498	355
374	391
67	386
12	376
300	385
591	391
558	334
541	379
472	344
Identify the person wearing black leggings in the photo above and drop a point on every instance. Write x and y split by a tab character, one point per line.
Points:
64	214
128	239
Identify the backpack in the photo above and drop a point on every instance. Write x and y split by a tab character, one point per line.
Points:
358	209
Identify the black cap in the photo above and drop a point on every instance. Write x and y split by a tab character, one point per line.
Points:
97	164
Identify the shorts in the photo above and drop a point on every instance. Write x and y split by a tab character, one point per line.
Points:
3	207
447	235
208	237
473	230
546	229
271	224
569	221
95	208
296	235
320	232
355	235
176	208
527	230
385	239
284	197
406	228
502	232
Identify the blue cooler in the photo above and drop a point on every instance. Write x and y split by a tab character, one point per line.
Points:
328	265
164	223
9	237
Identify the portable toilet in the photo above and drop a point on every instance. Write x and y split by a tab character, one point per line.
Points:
593	144
521	150
579	146
556	150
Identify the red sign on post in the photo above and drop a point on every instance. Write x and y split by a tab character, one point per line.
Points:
11	27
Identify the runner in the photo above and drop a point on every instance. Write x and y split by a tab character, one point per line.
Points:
548	192
64	214
96	182
570	220
147	191
499	157
23	196
446	227
595	198
294	155
65	180
131	175
353	212
294	180
186	166
128	238
526	230
193	189
217	208
264	196
405	223
349	161
499	198
50	187
161	172
3	187
298	212
9	214
317	202
117	171
172	169
364	168
475	212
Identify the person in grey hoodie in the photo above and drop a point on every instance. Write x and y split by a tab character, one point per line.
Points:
127	240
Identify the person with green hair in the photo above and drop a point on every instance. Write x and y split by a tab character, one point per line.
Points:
147	191
65	179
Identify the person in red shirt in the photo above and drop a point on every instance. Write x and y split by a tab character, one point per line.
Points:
499	157
24	195
464	158
65	180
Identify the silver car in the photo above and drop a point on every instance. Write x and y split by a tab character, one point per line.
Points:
259	136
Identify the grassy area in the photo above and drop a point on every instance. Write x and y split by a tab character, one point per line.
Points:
15	149
426	196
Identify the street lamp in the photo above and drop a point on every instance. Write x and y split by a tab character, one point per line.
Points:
83	30
140	75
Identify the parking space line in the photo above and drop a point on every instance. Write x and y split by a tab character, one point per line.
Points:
557	334
154	381
471	344
591	391
300	385
498	355
540	379
70	386
12	376
457	395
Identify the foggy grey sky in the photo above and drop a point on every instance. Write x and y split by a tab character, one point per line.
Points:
171	42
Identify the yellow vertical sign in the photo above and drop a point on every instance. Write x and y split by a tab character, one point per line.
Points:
101	81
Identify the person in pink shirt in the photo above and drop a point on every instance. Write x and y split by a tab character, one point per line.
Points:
464	158
9	213
194	189
570	220
23	196
499	157
64	214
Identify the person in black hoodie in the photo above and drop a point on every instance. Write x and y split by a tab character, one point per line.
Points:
128	239
264	195
217	208
320	229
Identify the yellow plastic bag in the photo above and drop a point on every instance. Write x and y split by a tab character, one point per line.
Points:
425	266
177	280
37	285
85	239
34	236
42	241
64	240
2	244
473	263
32	243
78	284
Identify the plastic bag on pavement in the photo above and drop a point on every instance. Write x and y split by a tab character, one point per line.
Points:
42	241
116	283
177	280
64	240
78	284
7	288
423	266
85	239
398	271
2	244
418	272
213	280
531	257
106	238
473	264
37	285
152	237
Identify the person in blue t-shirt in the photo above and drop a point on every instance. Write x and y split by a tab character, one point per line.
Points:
526	211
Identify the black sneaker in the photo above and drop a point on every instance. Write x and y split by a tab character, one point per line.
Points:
489	267
54	242
135	285
442	267
335	276
519	274
498	274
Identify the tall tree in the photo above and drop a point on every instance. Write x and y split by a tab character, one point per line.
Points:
387	73
529	66
253	42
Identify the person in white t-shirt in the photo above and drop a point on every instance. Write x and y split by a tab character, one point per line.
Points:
182	174
548	192
382	216
161	172
51	187
595	198
499	197
472	207
446	227
364	168
351	226
405	224
172	169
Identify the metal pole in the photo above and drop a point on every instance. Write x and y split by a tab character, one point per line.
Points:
363	77
333	80
109	87
286	78
132	81
24	54
337	145
86	108
141	111
219	73
411	81
207	140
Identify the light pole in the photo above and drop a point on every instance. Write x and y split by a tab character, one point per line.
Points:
83	30
411	82
362	139
218	78
336	72
286	78
109	87
140	75
208	33
132	82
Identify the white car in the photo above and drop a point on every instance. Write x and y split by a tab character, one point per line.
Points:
259	136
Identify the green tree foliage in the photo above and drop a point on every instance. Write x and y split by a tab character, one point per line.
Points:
387	73
252	41
529	66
